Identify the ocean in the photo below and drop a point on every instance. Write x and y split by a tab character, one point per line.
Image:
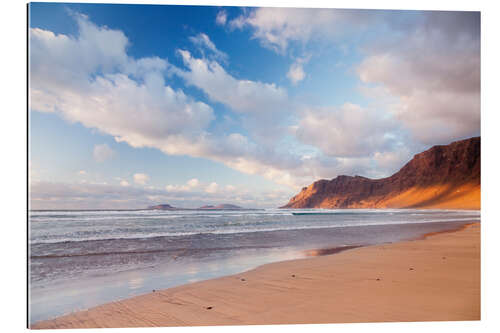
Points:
80	259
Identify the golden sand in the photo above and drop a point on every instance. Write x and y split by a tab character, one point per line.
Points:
430	279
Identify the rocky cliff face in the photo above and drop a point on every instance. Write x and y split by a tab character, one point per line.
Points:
441	177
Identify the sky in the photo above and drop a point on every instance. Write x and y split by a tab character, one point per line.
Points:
136	105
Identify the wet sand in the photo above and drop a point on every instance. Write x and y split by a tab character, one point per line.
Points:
436	278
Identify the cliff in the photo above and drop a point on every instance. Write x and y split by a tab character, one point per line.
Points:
440	177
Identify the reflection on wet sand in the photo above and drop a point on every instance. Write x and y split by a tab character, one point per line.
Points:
332	250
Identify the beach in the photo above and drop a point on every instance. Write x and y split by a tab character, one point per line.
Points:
433	278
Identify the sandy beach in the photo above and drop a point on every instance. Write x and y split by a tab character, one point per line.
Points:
435	278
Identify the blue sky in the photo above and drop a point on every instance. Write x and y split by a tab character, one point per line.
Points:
132	105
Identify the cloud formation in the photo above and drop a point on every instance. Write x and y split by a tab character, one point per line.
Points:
203	42
141	178
90	79
193	182
221	17
296	73
435	71
428	63
189	186
56	195
243	96
124	183
262	106
276	28
129	99
212	188
102	153
348	131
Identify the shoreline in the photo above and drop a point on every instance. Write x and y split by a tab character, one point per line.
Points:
363	284
180	209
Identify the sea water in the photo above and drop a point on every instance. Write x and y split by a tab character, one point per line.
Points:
80	259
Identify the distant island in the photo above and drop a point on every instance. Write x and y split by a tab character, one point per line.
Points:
221	206
163	207
446	177
206	207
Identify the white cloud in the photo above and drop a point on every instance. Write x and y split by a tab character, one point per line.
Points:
348	131
212	188
242	96
230	188
103	153
51	195
221	18
276	28
100	91
194	186
391	161
430	60
193	182
124	183
90	79
296	73
263	106
203	42
190	185
128	99
141	178
171	188
434	70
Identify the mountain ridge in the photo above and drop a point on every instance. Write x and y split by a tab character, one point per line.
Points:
444	176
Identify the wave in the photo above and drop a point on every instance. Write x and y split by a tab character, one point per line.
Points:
175	251
85	218
238	231
386	211
81	218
